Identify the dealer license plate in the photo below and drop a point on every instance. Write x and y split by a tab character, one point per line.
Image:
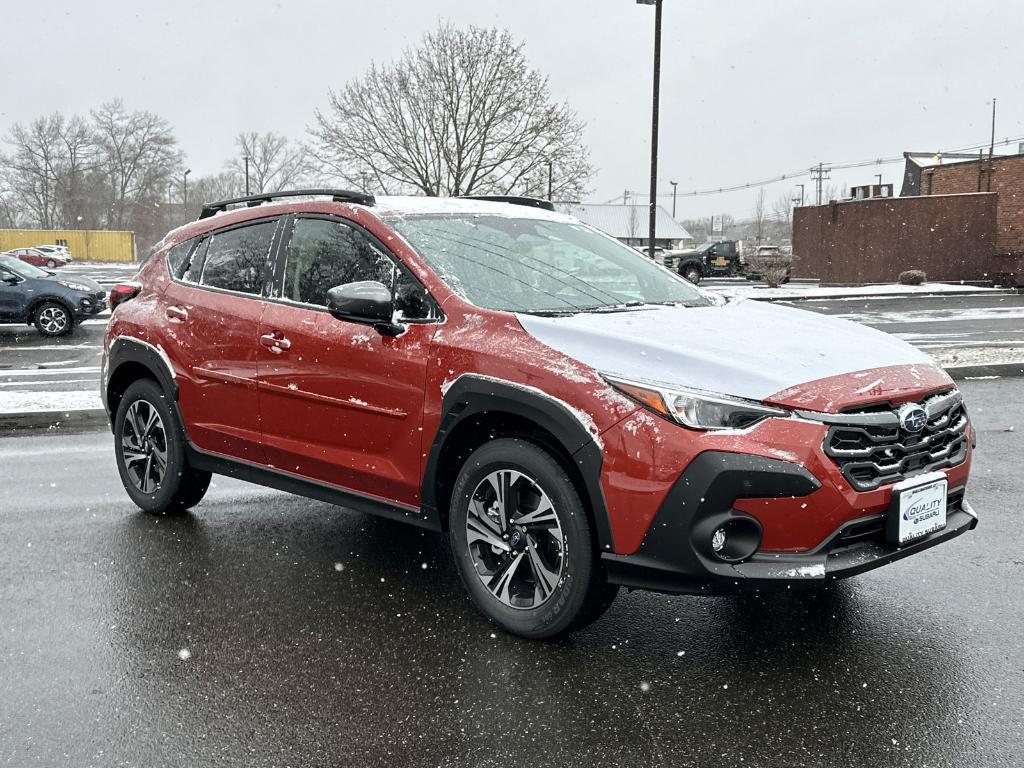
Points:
920	507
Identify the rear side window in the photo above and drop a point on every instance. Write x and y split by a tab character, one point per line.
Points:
236	260
177	255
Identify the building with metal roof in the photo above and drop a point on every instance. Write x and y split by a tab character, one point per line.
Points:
629	223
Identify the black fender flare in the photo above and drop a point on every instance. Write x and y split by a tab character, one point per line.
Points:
473	394
128	349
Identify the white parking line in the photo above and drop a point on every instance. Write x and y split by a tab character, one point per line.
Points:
45	372
30	382
19	348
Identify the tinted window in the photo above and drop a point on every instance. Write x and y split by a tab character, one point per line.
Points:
177	255
322	254
236	260
194	267
21	268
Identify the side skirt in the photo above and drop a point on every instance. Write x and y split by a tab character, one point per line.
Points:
312	489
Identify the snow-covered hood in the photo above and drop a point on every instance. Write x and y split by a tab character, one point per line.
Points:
748	349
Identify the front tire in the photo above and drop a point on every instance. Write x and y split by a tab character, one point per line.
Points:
522	542
51	264
53	319
149	444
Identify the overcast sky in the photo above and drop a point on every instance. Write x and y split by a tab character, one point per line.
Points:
750	90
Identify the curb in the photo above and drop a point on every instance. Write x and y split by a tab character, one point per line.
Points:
52	421
999	370
919	295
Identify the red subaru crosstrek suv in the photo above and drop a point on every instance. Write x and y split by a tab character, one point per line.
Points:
574	417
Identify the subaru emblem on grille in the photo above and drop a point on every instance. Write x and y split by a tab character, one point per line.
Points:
912	417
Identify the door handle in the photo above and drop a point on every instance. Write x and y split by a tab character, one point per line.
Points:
275	342
177	314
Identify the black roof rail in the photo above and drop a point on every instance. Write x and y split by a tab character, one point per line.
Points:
337	195
531	202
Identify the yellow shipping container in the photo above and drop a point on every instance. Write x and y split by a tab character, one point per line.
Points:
83	244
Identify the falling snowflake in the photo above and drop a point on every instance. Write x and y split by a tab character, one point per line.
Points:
184	654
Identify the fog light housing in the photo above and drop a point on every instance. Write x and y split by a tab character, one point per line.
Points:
728	537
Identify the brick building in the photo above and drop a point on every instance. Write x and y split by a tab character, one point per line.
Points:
956	218
1002	175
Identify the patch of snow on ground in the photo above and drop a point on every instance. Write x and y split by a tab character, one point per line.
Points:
28	402
812	291
960	356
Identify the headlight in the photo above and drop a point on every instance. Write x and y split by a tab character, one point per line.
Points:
694	408
75	286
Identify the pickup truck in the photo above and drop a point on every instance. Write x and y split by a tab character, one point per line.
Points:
719	259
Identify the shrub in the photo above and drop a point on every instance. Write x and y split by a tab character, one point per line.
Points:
912	277
773	269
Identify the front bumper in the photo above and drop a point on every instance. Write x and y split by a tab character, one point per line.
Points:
675	554
89	307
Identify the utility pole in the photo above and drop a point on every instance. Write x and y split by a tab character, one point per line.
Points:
550	177
246	158
801	195
674	189
818	175
654	121
992	145
992	141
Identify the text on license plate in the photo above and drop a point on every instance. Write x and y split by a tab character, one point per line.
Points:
922	510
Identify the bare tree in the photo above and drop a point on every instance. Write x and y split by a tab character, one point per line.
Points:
34	168
760	214
274	163
633	224
219	186
461	114
138	155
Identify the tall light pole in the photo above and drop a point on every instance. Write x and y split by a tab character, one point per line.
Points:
654	120
246	159
184	187
550	177
674	189
801	195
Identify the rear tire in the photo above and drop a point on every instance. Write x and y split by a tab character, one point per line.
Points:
51	264
522	542
692	274
53	319
149	444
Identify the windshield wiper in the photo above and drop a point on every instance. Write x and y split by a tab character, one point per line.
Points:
548	312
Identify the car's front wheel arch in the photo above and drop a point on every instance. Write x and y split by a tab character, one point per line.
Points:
477	410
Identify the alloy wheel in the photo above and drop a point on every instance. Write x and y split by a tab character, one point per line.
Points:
515	539
53	319
144	446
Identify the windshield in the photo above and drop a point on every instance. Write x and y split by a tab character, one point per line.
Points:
20	268
540	266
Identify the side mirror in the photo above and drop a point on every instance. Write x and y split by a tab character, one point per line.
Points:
10	279
366	302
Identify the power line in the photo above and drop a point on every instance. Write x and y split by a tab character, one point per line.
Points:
804	172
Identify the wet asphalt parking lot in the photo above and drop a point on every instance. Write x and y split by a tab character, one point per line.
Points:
268	630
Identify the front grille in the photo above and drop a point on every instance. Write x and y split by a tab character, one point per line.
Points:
876	452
